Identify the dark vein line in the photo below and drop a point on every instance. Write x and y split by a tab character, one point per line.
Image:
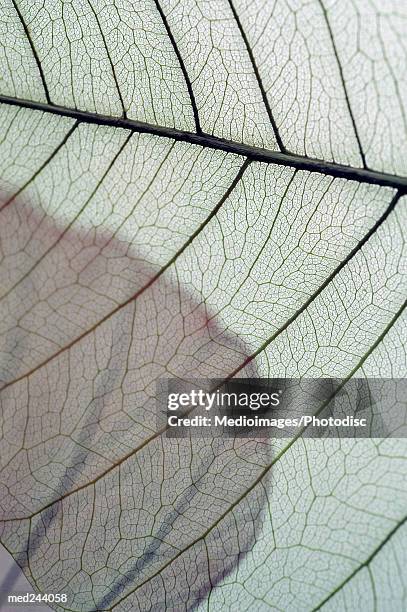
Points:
360	175
401	183
364	564
258	77
355	129
41	168
182	66
71	223
34	51
142	289
326	282
161	431
268	467
109	58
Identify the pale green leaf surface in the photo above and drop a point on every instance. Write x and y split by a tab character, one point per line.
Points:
334	72
127	257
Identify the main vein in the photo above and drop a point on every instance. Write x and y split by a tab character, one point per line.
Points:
251	152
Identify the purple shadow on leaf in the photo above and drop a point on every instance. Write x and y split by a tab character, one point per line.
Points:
89	330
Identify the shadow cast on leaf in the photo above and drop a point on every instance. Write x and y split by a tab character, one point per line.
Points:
96	501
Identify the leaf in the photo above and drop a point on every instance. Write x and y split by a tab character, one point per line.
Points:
198	189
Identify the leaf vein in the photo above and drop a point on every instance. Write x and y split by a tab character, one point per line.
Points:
310	164
250	358
33	50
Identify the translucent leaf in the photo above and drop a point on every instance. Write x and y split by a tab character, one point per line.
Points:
198	189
